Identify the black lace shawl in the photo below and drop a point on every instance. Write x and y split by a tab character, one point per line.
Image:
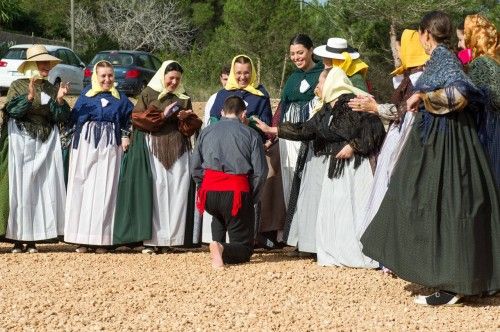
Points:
333	127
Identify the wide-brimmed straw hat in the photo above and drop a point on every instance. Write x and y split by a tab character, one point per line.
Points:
334	49
37	53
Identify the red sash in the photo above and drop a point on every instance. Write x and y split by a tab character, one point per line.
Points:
220	181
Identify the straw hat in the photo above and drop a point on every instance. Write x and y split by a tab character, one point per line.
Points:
38	53
334	49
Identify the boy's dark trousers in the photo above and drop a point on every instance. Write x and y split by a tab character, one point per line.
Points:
239	228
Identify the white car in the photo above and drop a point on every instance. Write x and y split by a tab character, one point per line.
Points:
69	70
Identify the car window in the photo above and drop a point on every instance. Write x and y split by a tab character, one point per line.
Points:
115	58
156	62
145	61
16	54
72	59
61	54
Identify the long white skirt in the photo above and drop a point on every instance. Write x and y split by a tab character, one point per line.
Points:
386	161
289	152
342	201
302	232
92	188
36	186
170	194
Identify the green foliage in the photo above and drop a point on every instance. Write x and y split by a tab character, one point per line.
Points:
9	11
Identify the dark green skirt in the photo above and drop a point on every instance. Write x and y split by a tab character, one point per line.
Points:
4	179
439	223
134	204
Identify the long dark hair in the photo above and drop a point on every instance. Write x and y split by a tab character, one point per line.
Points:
438	24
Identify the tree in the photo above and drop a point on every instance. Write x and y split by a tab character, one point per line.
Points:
136	24
9	10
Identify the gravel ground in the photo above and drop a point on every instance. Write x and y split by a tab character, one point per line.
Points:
58	289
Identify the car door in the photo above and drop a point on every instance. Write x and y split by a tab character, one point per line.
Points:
67	71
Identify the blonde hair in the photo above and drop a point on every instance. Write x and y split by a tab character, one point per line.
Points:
481	36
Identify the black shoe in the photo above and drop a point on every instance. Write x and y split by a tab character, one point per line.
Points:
18	248
439	298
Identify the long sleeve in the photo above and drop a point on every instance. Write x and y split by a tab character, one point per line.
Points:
370	136
444	101
260	169
18	106
60	113
147	117
197	162
387	111
295	132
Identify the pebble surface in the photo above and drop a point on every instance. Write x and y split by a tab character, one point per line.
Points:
60	290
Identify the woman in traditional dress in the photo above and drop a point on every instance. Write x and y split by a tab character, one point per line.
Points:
242	82
413	57
344	141
439	222
482	38
101	117
34	107
297	93
155	198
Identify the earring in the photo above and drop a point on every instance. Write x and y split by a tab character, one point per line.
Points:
427	47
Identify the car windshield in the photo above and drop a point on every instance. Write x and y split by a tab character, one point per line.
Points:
16	54
115	58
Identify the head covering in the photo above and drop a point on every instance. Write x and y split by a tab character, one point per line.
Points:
157	83
352	66
334	49
481	36
31	70
232	84
336	84
412	54
34	54
96	86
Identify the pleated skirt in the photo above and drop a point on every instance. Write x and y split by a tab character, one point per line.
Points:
170	200
37	192
391	149
92	189
340	205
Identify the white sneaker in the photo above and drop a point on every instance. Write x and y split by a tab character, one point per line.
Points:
149	251
82	250
439	298
31	250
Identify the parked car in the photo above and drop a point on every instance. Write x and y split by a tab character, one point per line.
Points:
133	69
69	70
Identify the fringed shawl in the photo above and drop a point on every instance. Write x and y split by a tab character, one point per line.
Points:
334	127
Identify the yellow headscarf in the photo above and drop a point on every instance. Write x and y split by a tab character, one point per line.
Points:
96	87
336	83
157	83
350	66
412	54
232	84
31	70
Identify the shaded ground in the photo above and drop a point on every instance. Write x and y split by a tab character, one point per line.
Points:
58	289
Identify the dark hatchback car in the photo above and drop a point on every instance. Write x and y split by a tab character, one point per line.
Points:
133	69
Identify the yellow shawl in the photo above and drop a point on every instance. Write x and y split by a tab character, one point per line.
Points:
232	84
412	54
157	83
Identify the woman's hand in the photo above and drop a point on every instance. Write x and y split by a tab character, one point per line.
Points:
31	88
363	104
264	127
413	102
62	92
183	113
267	145
125	143
170	109
346	153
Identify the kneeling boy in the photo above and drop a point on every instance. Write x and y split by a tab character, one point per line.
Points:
229	167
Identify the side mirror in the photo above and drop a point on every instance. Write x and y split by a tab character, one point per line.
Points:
82	65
